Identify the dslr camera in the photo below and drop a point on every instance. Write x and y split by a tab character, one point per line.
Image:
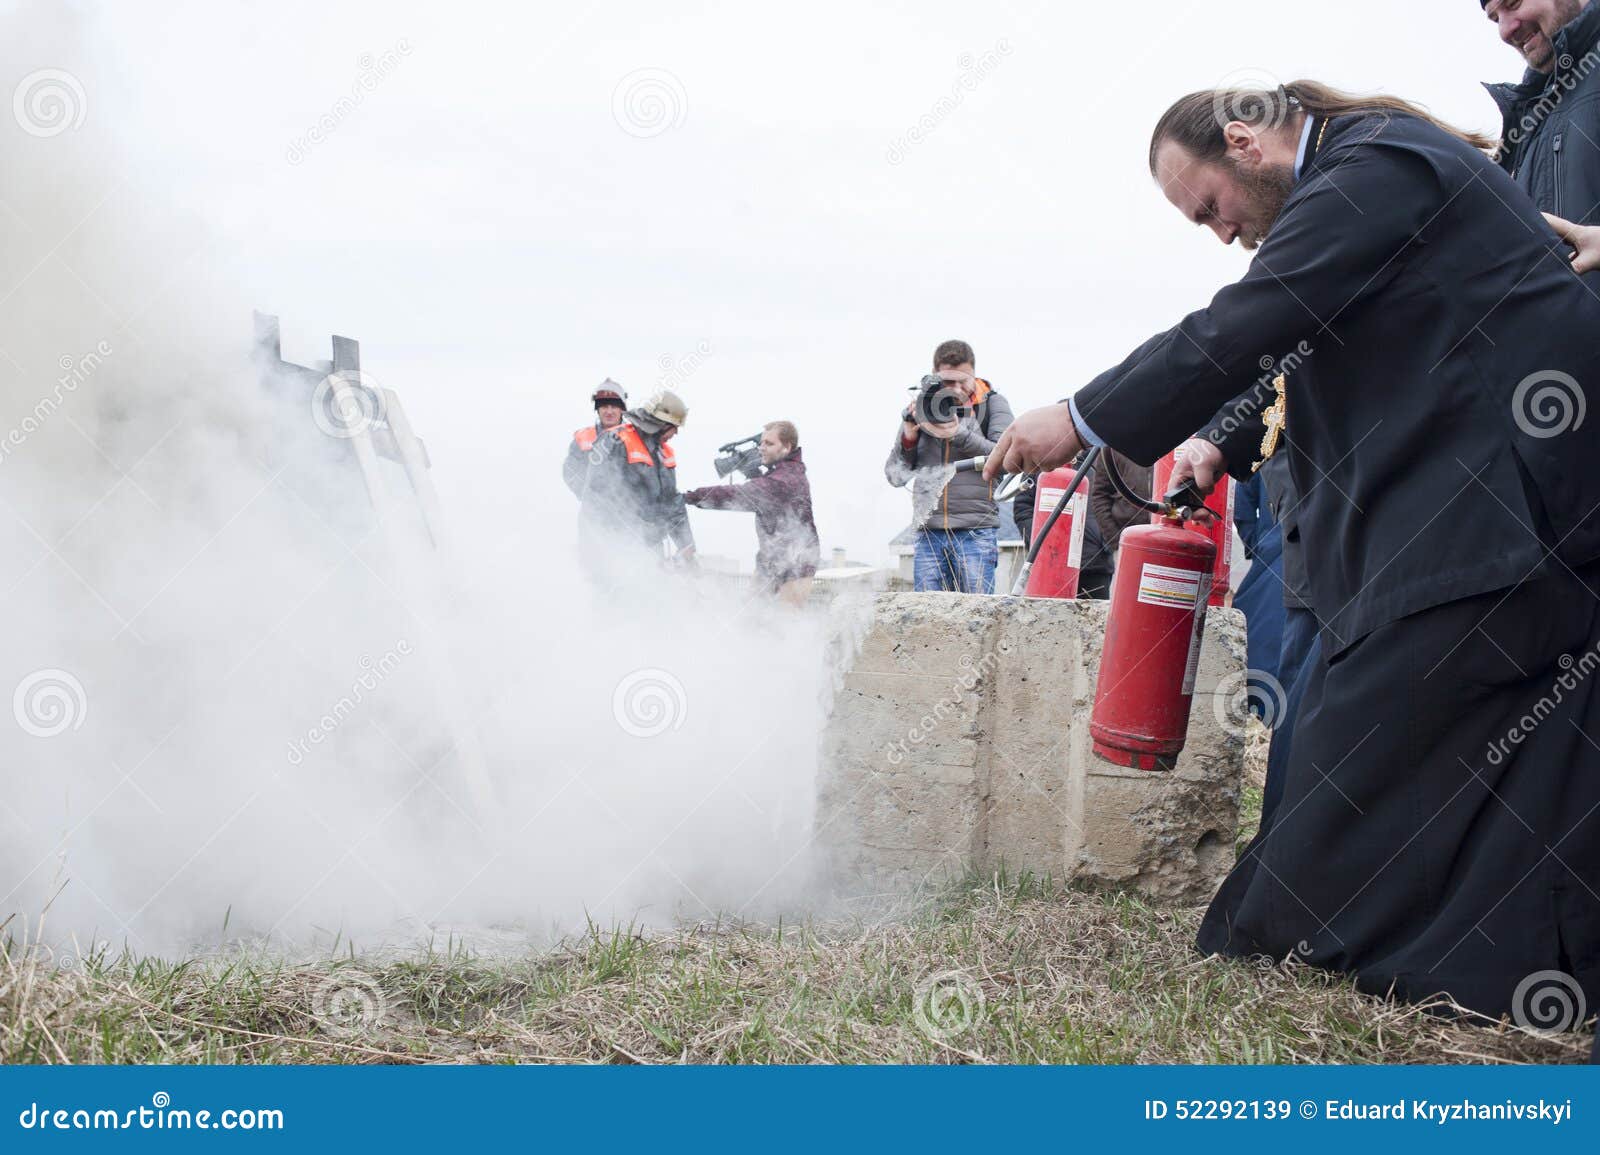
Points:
742	456
937	402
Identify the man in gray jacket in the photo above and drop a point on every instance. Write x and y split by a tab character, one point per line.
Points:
955	514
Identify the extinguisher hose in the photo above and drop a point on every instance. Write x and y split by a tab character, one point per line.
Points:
1181	503
1127	494
1184	503
1084	466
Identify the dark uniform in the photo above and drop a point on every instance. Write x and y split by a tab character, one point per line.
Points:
575	469
1550	141
631	500
1439	829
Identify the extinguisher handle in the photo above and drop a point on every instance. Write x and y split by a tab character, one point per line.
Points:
1186	501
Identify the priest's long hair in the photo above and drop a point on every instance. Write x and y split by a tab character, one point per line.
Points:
1195	122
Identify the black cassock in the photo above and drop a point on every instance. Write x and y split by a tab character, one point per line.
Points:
1439	828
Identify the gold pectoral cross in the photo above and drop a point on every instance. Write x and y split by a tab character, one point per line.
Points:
1276	418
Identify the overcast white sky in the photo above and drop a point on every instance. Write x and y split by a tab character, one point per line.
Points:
489	228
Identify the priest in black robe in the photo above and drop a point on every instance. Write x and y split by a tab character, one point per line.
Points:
1439	828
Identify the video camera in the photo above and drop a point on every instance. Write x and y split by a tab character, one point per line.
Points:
938	401
742	456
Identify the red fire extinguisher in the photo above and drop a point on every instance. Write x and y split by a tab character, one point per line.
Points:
1219	529
1056	568
1154	626
1152	645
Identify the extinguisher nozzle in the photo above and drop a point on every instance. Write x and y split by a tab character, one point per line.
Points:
1020	586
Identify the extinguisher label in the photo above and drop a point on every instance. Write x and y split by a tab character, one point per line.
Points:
1161	585
1192	666
1049	498
1078	511
1227	563
1077	517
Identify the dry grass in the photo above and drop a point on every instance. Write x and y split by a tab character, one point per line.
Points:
1035	974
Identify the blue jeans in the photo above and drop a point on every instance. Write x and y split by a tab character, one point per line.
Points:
958	560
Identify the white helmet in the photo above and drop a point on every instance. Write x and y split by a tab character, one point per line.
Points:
665	407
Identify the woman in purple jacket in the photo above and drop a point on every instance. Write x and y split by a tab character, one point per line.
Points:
787	547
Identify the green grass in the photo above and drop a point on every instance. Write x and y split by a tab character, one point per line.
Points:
1034	973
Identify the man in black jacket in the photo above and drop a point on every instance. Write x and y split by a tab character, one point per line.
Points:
1439	830
1550	142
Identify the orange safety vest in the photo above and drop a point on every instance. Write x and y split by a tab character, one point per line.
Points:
639	453
585	437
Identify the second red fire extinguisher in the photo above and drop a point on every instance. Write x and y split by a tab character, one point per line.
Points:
1056	570
1154	626
1152	644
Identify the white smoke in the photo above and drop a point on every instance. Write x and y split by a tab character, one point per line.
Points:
239	698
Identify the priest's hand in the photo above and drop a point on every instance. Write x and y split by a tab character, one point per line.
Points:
1040	439
1198	461
1584	239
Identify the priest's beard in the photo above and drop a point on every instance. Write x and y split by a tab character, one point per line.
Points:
1266	188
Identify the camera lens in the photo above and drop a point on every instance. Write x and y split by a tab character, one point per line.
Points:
939	402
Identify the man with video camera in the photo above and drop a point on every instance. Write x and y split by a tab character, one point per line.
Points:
956	415
787	547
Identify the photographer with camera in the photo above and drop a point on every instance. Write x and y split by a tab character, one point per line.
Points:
778	493
956	415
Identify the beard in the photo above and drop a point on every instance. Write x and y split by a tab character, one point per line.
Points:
1540	50
1266	188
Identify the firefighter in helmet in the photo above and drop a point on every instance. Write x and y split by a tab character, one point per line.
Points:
610	399
631	496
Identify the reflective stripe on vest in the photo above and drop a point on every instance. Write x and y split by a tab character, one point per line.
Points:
585	437
638	453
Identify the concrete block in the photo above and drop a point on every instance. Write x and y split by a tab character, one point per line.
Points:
960	737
